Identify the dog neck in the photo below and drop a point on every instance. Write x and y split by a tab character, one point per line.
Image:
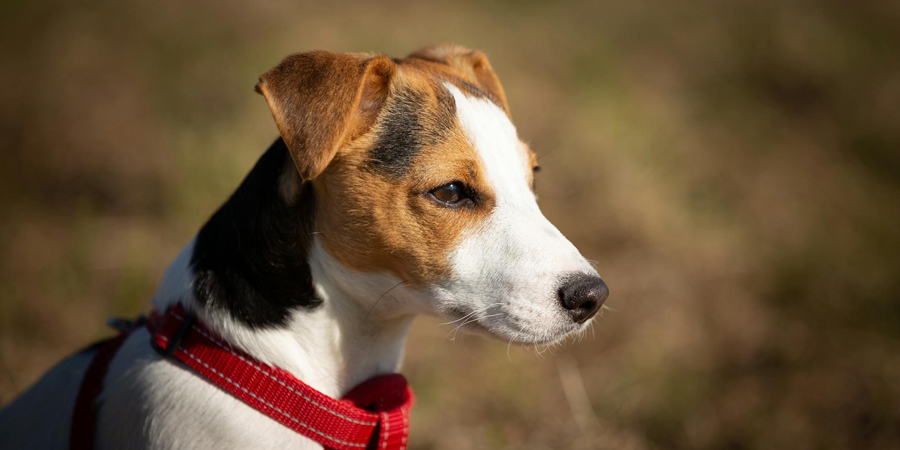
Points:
258	277
332	348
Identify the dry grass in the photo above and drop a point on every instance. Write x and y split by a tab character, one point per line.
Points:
732	167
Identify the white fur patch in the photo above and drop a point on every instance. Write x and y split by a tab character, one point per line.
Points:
506	273
177	283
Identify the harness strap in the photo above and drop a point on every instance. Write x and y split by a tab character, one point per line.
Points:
81	433
374	415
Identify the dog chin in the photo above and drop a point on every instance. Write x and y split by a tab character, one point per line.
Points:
525	336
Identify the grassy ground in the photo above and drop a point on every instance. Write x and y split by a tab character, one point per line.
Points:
733	168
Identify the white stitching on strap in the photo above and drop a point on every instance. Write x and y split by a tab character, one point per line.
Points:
385	421
405	416
305	397
270	405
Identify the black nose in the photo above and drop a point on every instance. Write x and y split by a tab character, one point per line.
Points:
582	295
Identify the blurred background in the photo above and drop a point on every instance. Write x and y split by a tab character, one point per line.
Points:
732	167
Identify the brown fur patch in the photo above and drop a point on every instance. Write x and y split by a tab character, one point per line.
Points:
374	136
320	100
469	66
371	221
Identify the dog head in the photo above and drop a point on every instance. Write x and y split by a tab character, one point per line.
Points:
422	186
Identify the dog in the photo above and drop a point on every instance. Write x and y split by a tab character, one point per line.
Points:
397	187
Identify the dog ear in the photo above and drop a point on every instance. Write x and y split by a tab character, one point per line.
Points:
322	100
473	63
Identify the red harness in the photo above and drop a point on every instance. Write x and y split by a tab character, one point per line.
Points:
374	415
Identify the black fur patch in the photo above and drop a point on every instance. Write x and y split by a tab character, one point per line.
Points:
250	258
410	123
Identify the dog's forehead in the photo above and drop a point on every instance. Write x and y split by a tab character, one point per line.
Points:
505	159
436	73
418	114
434	106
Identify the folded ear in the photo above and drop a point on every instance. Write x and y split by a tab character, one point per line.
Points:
321	100
472	63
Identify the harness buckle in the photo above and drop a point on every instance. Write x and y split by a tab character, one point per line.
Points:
125	325
175	341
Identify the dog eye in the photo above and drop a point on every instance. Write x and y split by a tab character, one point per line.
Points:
451	194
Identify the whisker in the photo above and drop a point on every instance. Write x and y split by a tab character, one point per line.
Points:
547	153
456	330
467	315
538	352
379	299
